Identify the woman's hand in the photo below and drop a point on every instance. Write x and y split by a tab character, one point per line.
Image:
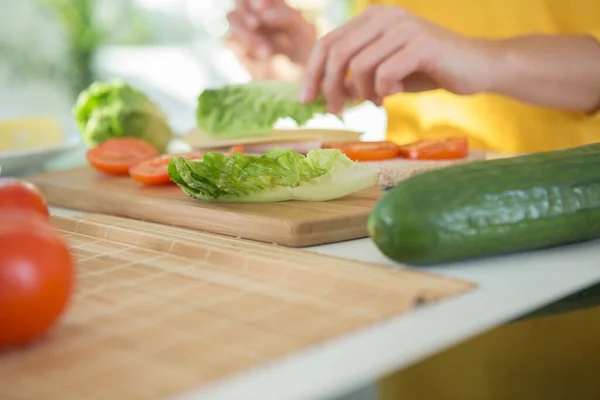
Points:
388	50
260	30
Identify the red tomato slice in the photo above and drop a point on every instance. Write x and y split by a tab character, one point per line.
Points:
116	156
369	151
437	149
22	195
236	149
154	171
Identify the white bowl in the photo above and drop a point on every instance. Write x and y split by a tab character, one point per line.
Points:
26	162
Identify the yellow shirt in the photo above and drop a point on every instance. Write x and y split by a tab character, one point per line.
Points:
494	122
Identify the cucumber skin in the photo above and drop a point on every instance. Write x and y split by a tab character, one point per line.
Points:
490	208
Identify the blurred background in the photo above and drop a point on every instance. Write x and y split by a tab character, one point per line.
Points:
171	49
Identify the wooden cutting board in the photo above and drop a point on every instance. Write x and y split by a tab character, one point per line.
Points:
292	224
159	311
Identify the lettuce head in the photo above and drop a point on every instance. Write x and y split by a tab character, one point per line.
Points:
107	110
253	108
278	175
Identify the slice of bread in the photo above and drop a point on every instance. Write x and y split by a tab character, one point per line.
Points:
399	169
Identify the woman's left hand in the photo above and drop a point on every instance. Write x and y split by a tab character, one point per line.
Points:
387	50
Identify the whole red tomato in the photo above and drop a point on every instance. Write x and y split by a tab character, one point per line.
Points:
36	276
21	194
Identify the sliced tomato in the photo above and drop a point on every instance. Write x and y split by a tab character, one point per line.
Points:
154	171
116	156
437	149
236	149
368	151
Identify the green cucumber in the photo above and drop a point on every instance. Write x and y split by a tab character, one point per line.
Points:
490	208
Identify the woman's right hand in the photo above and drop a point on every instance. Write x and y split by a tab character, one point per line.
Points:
260	30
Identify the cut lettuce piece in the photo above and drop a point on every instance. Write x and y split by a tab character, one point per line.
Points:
278	175
252	109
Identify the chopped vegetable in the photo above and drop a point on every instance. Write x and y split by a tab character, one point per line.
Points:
237	149
369	151
436	149
490	208
117	156
278	175
154	171
114	110
252	109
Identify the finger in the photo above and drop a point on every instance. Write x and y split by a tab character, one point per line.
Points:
252	42
261	5
238	33
364	64
279	16
390	74
338	60
418	82
272	13
350	93
315	67
245	11
350	90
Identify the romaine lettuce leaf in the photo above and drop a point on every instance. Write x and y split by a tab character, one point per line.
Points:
114	109
278	175
252	109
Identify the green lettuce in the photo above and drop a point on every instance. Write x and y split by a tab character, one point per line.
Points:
278	175
107	110
252	109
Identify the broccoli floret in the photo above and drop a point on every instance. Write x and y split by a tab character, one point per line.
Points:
107	110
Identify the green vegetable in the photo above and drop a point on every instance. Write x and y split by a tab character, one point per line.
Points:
491	208
278	175
253	108
115	109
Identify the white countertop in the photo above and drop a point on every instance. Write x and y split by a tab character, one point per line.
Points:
508	288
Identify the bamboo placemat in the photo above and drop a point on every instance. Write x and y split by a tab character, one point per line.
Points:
160	310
